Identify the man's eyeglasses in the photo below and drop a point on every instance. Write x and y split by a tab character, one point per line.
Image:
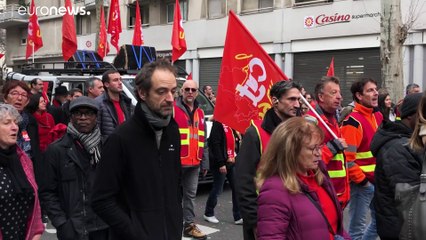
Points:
86	113
190	89
16	94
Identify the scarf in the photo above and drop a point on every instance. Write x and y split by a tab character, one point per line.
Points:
91	142
42	120
230	141
10	161
154	119
24	141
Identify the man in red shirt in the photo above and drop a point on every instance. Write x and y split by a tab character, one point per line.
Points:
114	106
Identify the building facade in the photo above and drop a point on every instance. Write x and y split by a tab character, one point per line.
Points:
301	36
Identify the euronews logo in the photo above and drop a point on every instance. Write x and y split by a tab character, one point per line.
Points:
48	11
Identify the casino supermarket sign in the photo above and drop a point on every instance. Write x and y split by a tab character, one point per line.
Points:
324	19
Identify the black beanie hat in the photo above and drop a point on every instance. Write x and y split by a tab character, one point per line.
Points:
410	104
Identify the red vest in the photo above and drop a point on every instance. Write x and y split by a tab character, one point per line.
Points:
364	157
264	136
191	136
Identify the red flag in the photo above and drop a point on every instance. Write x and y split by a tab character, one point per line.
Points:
103	46
34	34
189	77
137	32
1	55
247	74
330	71
114	23
178	34
69	36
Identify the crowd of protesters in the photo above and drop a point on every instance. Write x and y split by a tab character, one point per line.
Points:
99	168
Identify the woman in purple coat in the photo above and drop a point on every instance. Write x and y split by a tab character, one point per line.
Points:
297	199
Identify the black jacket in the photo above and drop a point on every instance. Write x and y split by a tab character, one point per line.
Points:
107	116
137	186
245	168
66	192
395	163
217	146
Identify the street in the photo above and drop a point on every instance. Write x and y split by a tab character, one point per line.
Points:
225	229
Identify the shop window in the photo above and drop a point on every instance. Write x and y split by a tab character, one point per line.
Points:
183	10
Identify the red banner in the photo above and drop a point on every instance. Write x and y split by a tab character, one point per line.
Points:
137	32
103	46
34	34
178	34
69	36
247	74
114	23
330	71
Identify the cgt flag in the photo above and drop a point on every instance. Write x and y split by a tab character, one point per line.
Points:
178	34
34	34
103	46
69	36
247	74
330	71
137	32
114	23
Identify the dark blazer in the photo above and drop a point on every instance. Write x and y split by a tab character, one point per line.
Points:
65	192
137	186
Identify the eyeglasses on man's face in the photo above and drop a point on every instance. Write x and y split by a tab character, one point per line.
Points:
80	114
16	94
190	89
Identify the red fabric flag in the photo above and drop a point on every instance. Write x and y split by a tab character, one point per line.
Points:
137	32
189	77
114	23
178	34
247	74
69	36
330	71
34	34
1	55
103	46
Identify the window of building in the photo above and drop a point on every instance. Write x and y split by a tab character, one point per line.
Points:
79	24
171	10
257	6
216	8
306	2
24	35
144	10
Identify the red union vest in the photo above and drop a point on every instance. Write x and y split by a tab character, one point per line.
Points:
191	136
264	136
364	157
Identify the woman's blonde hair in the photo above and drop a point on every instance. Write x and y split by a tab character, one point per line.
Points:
281	156
416	142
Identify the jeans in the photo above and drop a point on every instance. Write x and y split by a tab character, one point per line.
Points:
218	182
361	201
189	190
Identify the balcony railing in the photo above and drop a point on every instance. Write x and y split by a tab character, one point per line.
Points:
12	15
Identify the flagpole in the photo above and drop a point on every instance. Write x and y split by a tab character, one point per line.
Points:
33	52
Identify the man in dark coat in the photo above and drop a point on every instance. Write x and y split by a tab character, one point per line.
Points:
137	186
285	97
395	163
71	163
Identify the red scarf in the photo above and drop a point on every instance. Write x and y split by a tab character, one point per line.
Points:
230	141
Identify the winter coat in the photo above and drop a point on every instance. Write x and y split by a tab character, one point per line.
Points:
137	187
45	124
284	215
395	163
217	146
107	116
34	225
66	189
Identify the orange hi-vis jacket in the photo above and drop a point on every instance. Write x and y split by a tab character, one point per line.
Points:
336	163
264	136
191	135
358	130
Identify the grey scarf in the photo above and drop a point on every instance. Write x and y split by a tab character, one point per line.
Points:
154	119
91	142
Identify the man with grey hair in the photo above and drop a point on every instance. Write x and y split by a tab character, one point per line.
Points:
285	96
137	189
94	87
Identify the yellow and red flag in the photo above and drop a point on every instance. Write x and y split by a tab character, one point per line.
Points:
34	34
137	32
178	34
69	35
114	23
247	74
103	46
330	71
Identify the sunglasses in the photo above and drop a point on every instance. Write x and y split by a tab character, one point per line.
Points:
190	89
